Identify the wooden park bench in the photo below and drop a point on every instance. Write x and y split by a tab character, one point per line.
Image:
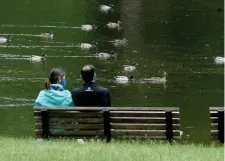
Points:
217	123
108	122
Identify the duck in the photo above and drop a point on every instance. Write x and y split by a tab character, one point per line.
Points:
47	35
5	39
123	79
157	80
87	27
35	58
87	46
113	25
105	8
130	68
106	55
219	60
120	42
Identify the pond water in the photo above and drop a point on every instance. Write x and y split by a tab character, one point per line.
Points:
180	38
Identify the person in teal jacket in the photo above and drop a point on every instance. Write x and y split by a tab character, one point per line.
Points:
55	94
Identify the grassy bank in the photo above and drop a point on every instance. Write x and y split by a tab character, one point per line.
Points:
13	149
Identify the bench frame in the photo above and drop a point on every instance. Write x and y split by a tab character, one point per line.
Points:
106	117
220	127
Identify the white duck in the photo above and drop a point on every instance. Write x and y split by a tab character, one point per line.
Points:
157	80
130	68
47	35
113	25
87	46
123	79
119	42
102	55
87	27
5	39
219	60
35	58
105	8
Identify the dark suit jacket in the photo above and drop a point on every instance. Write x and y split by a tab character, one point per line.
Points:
91	95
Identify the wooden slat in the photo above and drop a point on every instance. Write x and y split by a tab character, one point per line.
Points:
143	132
75	114
214	119
142	126
38	125
110	108
72	126
77	126
37	119
144	137
77	133
152	120
38	132
214	126
37	113
214	134
75	120
71	113
216	108
141	114
213	114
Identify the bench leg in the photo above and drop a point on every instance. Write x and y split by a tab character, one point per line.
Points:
221	126
169	126
107	126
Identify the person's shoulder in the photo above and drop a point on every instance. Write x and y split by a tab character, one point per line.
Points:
76	90
103	89
67	92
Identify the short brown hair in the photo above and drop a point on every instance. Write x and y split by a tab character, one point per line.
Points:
87	72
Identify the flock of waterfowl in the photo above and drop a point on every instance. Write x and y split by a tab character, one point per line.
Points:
128	70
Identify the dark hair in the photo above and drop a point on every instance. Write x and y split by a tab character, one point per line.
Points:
54	77
87	73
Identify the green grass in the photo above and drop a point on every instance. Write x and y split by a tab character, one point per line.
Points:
14	149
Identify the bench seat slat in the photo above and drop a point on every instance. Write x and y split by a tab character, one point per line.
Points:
72	126
141	114
71	114
72	132
141	120
214	126
144	137
214	119
142	126
76	120
143	132
77	132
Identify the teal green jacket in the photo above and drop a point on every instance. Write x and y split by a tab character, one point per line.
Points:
56	96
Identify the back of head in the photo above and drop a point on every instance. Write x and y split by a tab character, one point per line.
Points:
87	72
54	77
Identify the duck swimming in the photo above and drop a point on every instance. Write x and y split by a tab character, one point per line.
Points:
106	55
129	68
219	60
47	35
123	79
5	39
113	25
119	42
87	27
105	8
157	80
35	58
87	46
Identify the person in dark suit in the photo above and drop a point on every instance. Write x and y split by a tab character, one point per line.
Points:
90	94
